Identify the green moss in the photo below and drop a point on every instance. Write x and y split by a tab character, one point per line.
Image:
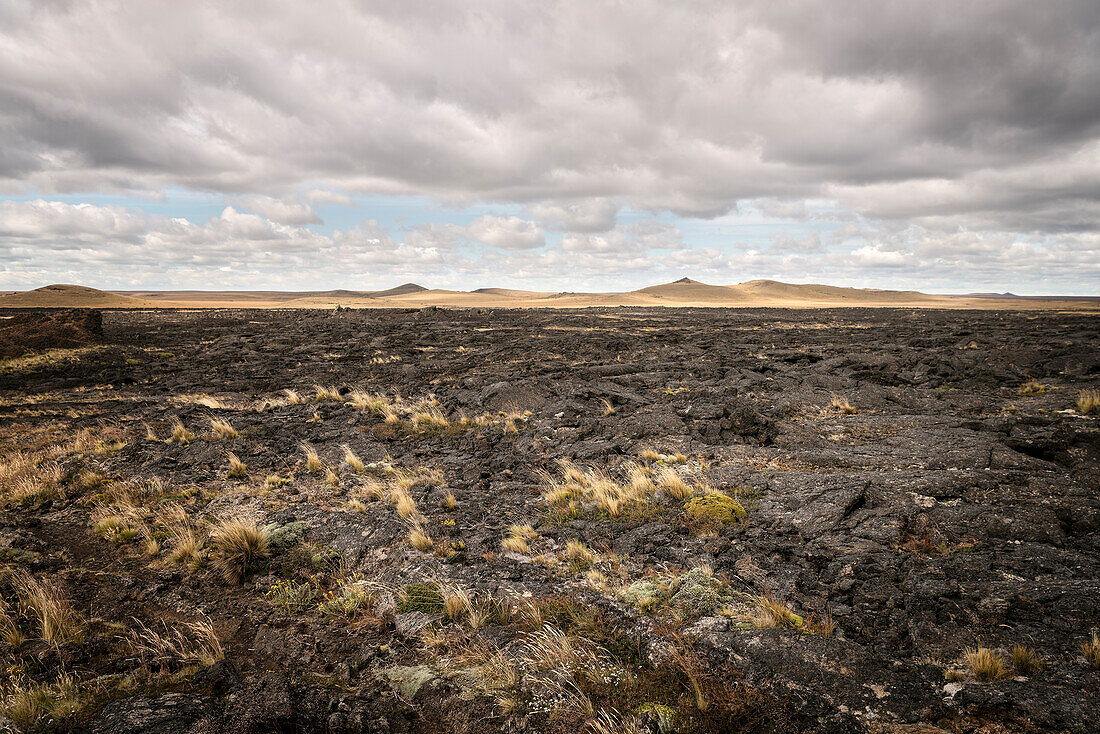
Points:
700	593
421	598
716	508
664	716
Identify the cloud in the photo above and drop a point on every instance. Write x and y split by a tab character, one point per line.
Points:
326	196
285	210
991	109
589	215
507	233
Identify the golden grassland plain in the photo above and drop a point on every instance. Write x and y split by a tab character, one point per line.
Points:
682	293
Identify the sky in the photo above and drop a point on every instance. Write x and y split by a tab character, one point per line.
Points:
584	145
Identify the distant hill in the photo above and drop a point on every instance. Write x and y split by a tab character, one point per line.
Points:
69	296
684	292
400	290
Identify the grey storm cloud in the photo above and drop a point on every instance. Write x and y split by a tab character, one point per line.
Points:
954	115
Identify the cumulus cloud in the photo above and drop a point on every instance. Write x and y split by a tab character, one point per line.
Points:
554	105
327	196
507	233
588	215
285	210
941	135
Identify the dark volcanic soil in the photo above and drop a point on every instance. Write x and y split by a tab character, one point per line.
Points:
948	511
34	331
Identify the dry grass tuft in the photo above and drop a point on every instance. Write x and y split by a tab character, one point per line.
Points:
1025	660
352	460
10	632
420	540
1091	649
449	501
221	428
313	459
1032	388
771	613
187	546
1088	401
516	540
403	502
29	480
239	546
292	397
323	394
237	468
594	486
456	601
841	404
180	434
429	416
608	408
669	480
614	723
194	643
985	664
374	402
332	479
578	554
649	455
43	602
371	490
37	706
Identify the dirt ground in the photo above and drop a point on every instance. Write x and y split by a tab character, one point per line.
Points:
606	520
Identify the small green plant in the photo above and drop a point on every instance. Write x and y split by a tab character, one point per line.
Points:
291	595
351	598
422	597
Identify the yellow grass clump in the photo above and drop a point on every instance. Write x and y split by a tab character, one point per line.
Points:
578	554
1088	401
323	394
239	546
516	539
221	428
374	402
403	502
237	468
1091	649
419	539
352	460
669	480
180	434
313	459
1025	660
841	404
985	664
47	607
28	479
